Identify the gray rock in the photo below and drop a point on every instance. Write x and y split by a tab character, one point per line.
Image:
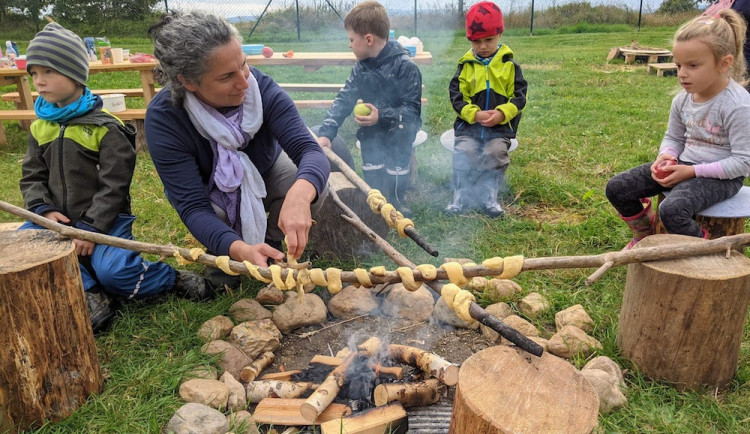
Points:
501	289
570	341
524	327
255	338
445	315
478	284
270	295
216	328
295	313
574	315
248	309
237	399
607	389
604	363
533	305
232	359
195	418
415	306
500	311
242	422
352	301
212	393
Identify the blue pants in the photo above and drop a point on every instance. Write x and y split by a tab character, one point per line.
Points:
122	272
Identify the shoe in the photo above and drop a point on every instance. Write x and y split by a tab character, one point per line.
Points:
403	209
191	286
494	210
452	209
101	308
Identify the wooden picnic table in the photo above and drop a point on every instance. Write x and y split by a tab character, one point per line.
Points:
312	61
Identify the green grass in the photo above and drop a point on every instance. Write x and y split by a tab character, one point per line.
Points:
585	121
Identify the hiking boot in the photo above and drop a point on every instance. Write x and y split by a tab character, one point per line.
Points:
101	308
494	210
191	286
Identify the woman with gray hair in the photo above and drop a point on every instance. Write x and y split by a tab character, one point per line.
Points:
229	144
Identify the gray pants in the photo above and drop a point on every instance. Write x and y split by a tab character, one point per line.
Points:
685	200
279	179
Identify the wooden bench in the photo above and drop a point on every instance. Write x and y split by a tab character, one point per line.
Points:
652	55
724	218
663	69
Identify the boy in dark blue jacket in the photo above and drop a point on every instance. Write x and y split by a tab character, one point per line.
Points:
390	85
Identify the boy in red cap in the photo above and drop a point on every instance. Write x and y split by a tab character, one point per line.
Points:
488	92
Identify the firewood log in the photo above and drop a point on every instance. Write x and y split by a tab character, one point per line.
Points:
396	372
409	394
258	390
283	375
326	393
251	371
389	419
431	364
277	411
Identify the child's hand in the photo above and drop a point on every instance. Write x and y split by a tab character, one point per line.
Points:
655	167
680	172
56	217
481	116
324	142
369	120
83	247
495	117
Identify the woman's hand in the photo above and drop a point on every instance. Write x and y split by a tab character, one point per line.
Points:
257	254
369	120
295	218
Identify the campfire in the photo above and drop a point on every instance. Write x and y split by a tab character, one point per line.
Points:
359	389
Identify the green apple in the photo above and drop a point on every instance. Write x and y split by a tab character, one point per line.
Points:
361	110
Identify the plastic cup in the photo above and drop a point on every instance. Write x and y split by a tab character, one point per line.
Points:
21	62
105	54
117	55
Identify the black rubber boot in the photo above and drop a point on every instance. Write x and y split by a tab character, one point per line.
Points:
191	286
101	308
490	182
396	190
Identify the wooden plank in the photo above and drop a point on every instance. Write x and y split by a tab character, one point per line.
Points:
661	68
386	419
279	411
284	375
129	93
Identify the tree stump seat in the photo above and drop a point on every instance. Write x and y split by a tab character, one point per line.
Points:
724	218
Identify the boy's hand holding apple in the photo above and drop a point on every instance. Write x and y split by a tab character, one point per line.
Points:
365	120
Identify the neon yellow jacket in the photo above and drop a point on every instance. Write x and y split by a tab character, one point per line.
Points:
476	87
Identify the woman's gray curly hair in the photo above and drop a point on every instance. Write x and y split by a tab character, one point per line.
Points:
184	43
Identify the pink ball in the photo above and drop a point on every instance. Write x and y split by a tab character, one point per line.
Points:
267	52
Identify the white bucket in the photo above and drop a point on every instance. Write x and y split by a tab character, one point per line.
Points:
114	102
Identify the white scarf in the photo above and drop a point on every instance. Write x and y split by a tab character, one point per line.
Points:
233	168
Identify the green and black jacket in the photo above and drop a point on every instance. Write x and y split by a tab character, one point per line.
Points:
81	169
477	87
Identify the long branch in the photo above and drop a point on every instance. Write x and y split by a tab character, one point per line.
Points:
656	253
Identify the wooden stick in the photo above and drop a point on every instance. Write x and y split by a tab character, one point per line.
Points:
409	394
387	419
282	375
657	253
396	372
259	390
251	371
431	364
327	391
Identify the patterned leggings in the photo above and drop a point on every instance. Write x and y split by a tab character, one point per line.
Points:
685	199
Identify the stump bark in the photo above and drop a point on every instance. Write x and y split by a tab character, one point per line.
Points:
503	389
48	362
682	320
332	235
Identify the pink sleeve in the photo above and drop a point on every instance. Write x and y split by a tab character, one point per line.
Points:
709	170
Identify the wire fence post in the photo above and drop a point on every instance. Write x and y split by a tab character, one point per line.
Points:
531	30
640	14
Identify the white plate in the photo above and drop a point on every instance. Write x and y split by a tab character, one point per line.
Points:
448	137
418	140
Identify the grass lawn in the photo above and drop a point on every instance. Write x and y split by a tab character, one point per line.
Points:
585	121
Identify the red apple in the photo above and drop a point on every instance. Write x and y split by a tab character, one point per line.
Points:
267	51
661	174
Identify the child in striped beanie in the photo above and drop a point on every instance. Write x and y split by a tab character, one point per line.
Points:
77	171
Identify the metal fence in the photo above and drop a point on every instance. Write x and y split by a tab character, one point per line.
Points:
415	16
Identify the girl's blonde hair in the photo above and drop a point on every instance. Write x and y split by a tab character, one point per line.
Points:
723	33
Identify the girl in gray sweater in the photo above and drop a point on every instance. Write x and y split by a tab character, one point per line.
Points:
705	154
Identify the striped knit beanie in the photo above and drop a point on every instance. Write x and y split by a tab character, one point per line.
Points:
60	49
484	20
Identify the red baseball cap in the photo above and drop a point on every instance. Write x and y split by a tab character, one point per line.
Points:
484	20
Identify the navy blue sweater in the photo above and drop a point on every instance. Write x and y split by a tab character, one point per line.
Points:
184	159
